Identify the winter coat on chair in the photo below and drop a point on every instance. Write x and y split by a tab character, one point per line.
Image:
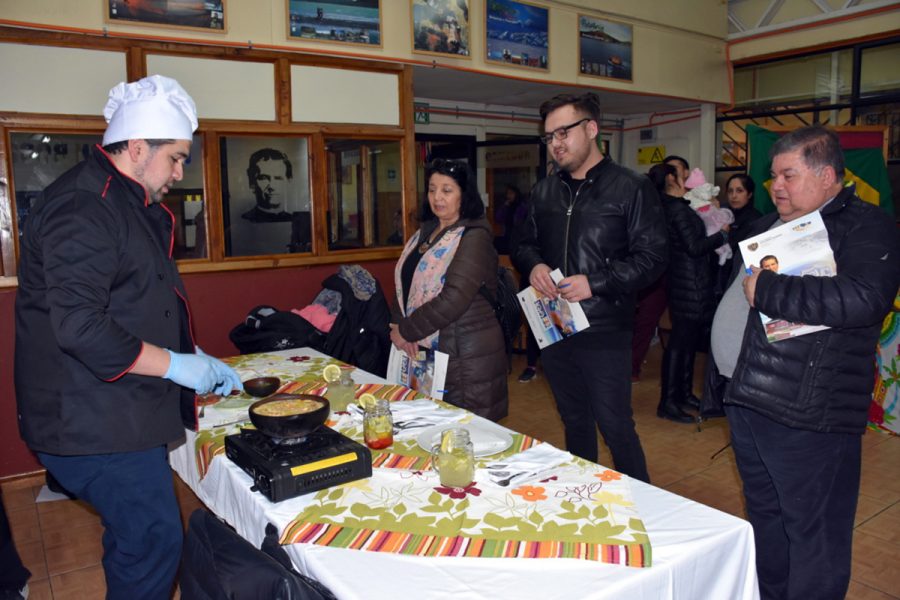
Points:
360	335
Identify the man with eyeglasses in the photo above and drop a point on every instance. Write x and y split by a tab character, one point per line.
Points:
602	225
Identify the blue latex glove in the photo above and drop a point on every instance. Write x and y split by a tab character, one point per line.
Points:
201	373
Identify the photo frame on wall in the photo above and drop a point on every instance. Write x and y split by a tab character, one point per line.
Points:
206	15
517	33
344	21
441	27
605	48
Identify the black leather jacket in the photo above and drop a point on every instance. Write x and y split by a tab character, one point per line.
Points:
611	229
823	381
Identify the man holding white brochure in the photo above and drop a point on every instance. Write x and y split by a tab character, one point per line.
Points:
797	407
602	225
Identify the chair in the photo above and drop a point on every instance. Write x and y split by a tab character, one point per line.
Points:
218	564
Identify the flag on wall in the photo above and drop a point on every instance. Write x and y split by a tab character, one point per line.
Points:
863	164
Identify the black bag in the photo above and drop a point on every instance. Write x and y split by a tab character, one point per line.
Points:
266	329
506	306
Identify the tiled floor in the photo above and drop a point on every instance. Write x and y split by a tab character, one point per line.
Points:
60	541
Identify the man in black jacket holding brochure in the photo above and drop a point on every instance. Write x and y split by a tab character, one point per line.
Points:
797	407
602	225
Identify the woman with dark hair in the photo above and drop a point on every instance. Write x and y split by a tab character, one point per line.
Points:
689	289
437	280
739	191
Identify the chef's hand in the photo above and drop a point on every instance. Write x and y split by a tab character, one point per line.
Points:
411	348
541	281
575	288
202	373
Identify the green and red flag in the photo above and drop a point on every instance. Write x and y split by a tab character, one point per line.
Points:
863	165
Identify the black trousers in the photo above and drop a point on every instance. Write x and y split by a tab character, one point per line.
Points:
801	489
13	574
590	375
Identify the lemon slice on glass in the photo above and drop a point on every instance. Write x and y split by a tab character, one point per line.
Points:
331	373
366	399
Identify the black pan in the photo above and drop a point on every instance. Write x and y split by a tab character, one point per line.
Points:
290	426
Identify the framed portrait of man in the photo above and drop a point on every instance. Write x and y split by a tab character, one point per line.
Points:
266	195
441	27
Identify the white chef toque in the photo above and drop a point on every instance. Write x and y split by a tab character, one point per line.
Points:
154	107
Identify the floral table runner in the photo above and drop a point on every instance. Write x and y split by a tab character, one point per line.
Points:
576	510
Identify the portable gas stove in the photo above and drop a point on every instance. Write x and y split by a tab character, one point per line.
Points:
283	469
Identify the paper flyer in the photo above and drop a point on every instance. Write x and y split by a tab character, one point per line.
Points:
798	248
427	373
551	320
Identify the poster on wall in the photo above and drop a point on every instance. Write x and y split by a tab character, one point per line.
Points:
208	15
517	33
441	27
347	21
605	48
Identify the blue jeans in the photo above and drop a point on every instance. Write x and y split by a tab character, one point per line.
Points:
590	375
135	497
801	489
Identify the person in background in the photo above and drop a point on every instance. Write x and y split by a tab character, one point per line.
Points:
797	408
739	191
396	237
106	367
13	574
689	290
603	227
507	216
438	303
269	174
681	166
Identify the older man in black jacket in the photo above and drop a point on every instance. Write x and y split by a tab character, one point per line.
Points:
797	407
603	227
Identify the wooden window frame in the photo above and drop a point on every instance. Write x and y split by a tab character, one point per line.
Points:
212	130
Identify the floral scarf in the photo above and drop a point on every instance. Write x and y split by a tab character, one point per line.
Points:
428	278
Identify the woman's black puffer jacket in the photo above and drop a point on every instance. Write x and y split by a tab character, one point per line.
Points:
690	275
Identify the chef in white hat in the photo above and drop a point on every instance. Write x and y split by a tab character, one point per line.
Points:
106	365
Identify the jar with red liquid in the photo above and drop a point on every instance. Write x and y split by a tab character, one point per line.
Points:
378	425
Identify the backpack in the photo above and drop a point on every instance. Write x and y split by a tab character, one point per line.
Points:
506	306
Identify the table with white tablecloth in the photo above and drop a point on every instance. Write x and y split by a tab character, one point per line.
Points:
697	552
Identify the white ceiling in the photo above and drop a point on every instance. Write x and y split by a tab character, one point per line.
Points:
450	85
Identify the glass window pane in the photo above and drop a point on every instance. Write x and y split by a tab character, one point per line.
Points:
880	70
365	197
266	200
38	159
187	203
824	77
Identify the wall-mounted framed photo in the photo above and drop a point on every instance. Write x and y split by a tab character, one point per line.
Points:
207	15
517	33
605	48
441	27
346	21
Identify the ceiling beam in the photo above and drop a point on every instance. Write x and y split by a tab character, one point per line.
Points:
823	6
736	21
769	13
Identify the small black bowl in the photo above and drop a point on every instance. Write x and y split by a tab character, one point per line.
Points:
289	426
262	386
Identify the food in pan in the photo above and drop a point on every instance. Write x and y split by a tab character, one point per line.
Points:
287	407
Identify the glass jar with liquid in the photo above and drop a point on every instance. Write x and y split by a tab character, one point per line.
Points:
378	425
454	458
342	392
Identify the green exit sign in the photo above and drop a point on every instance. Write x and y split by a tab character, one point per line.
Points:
422	116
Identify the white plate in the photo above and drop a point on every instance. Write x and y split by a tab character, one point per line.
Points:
486	437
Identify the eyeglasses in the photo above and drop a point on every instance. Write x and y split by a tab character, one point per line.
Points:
561	133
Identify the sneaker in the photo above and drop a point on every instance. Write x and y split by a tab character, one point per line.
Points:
527	375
